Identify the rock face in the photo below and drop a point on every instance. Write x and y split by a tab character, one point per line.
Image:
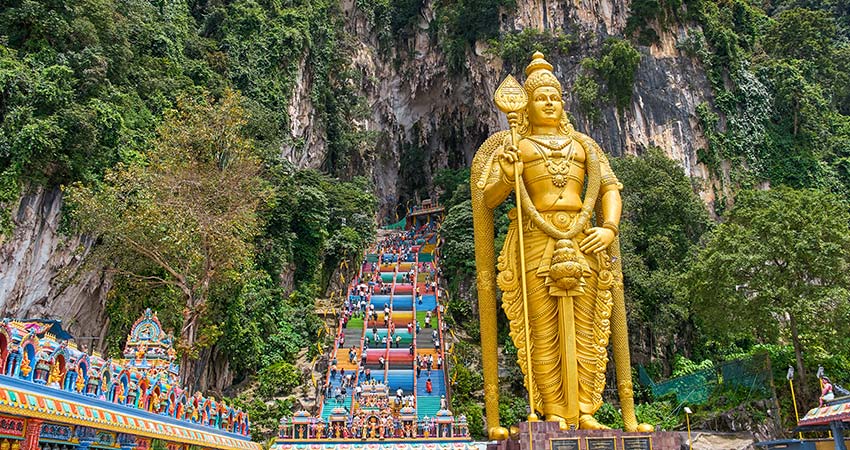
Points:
40	271
417	102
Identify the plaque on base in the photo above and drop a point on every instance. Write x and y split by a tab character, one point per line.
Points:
600	443
637	442
548	436
564	444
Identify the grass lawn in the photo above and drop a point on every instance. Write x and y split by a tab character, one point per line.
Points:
420	317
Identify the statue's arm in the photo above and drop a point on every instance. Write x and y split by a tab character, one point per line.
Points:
612	203
498	186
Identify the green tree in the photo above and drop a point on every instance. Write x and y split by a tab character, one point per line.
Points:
663	220
778	264
459	248
186	215
454	185
804	34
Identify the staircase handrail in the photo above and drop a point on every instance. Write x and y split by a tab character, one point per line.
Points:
441	350
413	338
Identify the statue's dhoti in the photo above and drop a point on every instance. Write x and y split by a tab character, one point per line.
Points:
568	315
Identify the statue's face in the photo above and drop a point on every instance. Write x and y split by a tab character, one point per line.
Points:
545	107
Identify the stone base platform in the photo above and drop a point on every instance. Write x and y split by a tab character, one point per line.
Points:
547	436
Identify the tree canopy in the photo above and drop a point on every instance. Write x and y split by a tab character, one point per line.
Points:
777	266
662	223
187	208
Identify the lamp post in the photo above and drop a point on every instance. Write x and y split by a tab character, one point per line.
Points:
820	381
793	397
688	413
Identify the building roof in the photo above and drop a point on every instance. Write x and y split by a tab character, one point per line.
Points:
29	400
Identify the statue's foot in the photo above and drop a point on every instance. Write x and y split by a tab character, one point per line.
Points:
587	422
645	428
562	422
498	433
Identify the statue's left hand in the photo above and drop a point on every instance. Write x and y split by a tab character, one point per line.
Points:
597	239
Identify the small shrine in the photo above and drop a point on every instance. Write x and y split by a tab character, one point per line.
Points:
148	347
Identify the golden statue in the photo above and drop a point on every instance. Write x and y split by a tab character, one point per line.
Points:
54	376
25	364
560	273
80	383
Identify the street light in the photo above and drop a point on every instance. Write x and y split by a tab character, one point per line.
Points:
793	397
688	413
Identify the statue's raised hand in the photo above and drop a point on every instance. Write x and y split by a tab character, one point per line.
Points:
510	162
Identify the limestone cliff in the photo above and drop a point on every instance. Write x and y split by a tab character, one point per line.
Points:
40	271
416	101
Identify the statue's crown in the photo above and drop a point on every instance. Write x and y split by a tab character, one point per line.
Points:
539	73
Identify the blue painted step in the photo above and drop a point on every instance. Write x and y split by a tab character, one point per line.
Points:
400	379
331	403
438	385
429	302
427	406
403	302
379	301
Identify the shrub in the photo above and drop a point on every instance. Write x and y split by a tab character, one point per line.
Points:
277	378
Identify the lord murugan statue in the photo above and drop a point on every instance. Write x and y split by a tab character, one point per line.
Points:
559	269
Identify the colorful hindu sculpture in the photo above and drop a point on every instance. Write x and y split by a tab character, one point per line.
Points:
25	365
42	367
146	378
55	374
80	383
560	271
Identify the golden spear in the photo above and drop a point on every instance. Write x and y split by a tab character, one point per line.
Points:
511	98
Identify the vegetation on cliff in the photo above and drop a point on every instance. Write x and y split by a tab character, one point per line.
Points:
166	121
780	78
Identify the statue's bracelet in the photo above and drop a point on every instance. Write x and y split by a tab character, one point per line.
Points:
611	226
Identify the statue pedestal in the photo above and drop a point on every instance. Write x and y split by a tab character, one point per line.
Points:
547	436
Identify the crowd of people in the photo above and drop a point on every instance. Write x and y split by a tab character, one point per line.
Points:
370	396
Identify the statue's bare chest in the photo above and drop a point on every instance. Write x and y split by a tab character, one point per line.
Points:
555	161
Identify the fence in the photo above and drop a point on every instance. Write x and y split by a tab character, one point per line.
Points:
753	374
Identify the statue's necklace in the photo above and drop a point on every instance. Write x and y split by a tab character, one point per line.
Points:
558	168
550	142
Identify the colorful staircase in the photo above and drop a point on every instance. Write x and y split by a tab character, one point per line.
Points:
399	368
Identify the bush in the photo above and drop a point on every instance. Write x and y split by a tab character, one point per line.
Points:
516	48
277	378
474	418
463	22
264	416
465	382
617	67
587	91
662	414
512	409
683	366
609	416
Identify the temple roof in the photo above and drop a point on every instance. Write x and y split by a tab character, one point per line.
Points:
826	414
42	327
41	402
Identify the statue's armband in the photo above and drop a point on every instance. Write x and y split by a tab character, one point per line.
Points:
497	187
609	180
